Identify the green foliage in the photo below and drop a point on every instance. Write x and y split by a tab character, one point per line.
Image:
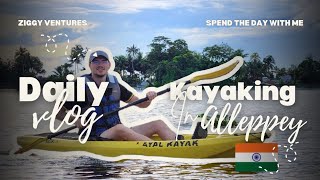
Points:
129	66
27	65
133	80
309	71
132	55
222	53
281	72
76	56
23	65
60	73
268	65
121	64
170	60
7	74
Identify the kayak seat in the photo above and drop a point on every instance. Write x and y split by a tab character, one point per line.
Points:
199	132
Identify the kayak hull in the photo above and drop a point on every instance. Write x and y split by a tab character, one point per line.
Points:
214	146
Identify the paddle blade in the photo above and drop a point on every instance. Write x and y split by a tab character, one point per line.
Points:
215	74
30	146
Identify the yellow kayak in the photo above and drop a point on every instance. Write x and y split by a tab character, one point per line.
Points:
214	146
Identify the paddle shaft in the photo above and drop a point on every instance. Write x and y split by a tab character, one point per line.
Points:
140	101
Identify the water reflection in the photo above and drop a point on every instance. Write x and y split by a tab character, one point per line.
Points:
97	169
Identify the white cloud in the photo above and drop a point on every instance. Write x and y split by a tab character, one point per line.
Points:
134	6
123	6
202	36
52	60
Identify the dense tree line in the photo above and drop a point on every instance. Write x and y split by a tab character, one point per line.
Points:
168	60
23	64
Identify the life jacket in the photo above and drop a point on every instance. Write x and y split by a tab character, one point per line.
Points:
110	102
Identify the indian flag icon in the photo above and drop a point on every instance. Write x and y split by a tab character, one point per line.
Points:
254	157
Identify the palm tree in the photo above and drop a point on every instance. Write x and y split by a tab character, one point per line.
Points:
132	55
269	64
22	57
62	71
255	57
58	72
77	55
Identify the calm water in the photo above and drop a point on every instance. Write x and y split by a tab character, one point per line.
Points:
17	120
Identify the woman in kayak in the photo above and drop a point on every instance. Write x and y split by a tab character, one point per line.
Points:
111	127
